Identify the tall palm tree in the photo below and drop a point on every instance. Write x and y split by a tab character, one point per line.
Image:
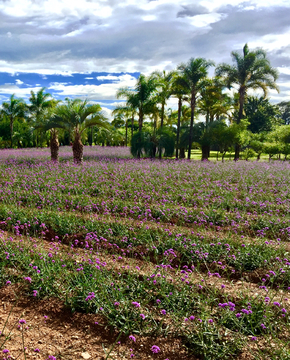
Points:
13	109
164	89
44	124
163	82
140	98
213	102
180	91
76	116
126	114
251	70
40	103
194	72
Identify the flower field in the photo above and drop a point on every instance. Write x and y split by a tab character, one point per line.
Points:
168	260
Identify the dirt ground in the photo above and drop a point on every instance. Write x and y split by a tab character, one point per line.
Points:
53	330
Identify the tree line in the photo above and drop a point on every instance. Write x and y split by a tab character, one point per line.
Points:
233	120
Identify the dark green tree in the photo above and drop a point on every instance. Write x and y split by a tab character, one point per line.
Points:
13	109
194	72
261	114
284	107
76	116
251	70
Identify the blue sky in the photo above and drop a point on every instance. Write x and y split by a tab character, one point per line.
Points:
96	87
90	48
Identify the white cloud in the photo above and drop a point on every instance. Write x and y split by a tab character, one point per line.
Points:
14	89
107	77
19	82
99	92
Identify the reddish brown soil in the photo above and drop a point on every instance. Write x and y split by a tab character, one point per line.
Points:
70	336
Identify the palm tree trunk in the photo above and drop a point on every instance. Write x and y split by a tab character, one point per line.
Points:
242	92
140	129
161	126
54	146
11	131
132	126
182	153
178	126
192	104
162	115
91	136
205	149
140	119
78	149
126	135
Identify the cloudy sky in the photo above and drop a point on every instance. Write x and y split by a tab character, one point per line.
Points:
90	48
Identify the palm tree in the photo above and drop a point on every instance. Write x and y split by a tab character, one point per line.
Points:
213	102
76	116
140	98
194	72
44	124
251	70
13	109
180	92
40	104
163	82
125	114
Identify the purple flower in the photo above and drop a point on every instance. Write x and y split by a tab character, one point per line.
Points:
131	337
253	338
163	312
36	350
28	279
155	349
192	317
276	303
210	321
142	316
245	311
22	321
5	351
263	326
8	282
136	304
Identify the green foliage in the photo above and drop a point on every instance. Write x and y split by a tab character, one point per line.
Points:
261	114
138	144
166	141
284	107
147	143
209	343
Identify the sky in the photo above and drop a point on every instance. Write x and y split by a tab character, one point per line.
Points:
89	48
